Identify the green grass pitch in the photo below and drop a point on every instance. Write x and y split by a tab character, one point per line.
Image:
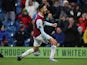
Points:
28	61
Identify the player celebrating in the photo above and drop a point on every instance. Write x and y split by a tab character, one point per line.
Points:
40	36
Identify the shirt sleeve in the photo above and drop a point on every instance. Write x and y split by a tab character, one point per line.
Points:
47	23
40	26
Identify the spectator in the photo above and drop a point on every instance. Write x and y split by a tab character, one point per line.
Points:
0	24
83	5
80	30
8	7
82	22
62	22
21	37
26	20
31	7
57	9
71	34
45	2
85	38
49	5
59	36
39	1
23	4
50	19
65	8
11	27
18	7
4	37
75	1
1	12
75	11
0	4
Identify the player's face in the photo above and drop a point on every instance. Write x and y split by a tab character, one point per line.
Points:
44	9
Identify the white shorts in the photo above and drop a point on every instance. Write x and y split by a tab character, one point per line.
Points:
39	40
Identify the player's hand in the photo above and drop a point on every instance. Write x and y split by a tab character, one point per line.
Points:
54	25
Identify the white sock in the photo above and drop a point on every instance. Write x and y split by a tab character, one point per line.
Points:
27	52
53	51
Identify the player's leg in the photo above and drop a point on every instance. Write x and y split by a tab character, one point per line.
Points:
29	51
36	51
53	49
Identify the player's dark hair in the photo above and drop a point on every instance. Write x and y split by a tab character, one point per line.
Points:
41	6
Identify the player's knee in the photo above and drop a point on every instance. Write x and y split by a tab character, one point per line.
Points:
36	49
56	44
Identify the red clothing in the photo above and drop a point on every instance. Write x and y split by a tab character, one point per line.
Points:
36	30
23	2
25	20
83	24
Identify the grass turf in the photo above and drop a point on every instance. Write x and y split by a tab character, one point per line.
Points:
27	61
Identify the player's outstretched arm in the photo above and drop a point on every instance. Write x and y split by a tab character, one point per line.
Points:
50	24
41	28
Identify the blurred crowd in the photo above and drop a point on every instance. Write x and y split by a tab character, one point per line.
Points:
17	19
